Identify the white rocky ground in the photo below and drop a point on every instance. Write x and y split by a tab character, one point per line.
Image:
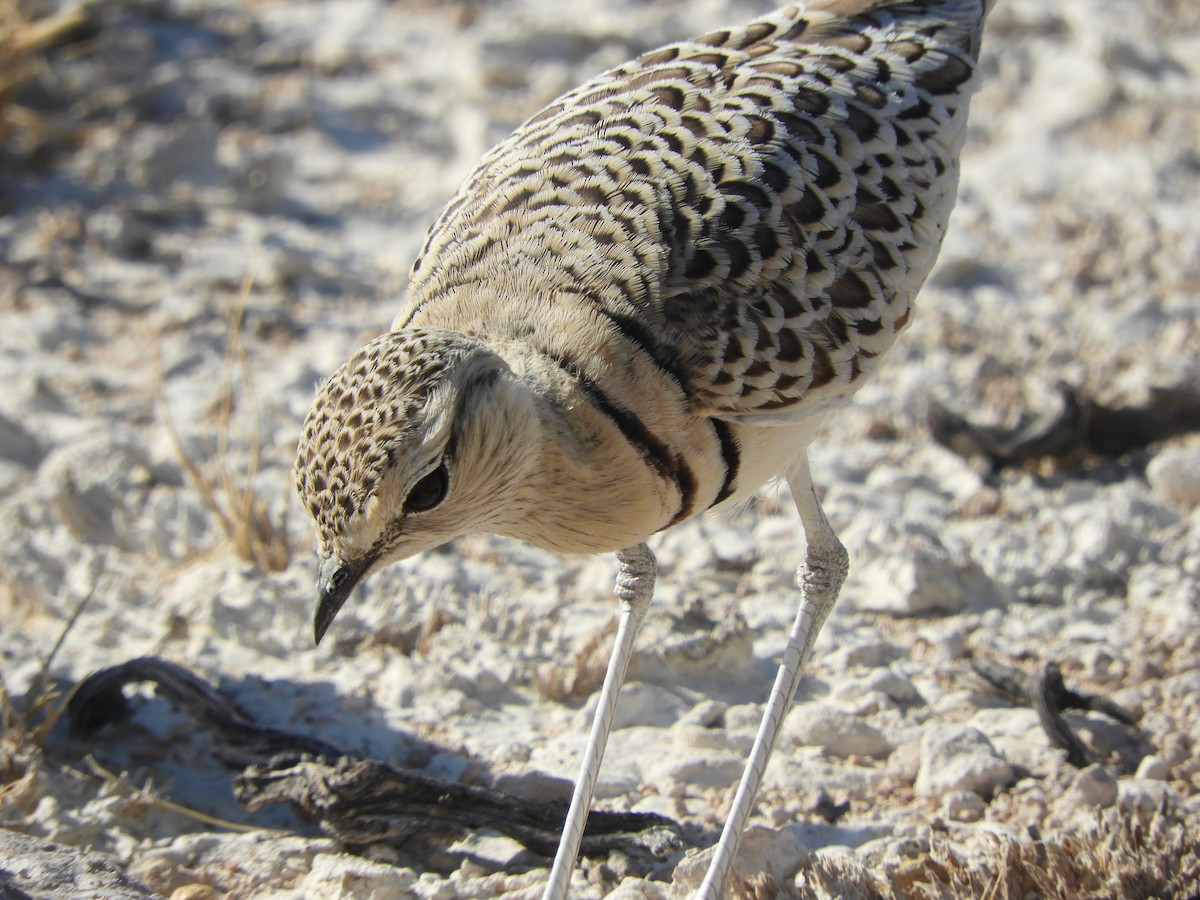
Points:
195	161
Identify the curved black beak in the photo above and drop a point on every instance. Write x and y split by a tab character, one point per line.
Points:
336	580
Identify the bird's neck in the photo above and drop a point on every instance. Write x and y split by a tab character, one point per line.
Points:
587	490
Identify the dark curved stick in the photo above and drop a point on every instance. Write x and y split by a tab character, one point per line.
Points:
1049	695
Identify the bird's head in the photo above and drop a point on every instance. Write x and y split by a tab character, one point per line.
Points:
419	437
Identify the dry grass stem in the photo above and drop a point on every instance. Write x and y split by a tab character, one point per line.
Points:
243	516
145	796
42	692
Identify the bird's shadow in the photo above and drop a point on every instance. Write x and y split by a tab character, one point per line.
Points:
187	736
148	737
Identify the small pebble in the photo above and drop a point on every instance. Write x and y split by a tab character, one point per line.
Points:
1094	786
194	892
963	806
1174	475
954	758
836	732
1153	768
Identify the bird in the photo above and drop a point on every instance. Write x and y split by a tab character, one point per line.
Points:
643	305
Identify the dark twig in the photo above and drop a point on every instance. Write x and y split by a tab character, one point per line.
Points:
1049	695
1013	683
1050	698
359	802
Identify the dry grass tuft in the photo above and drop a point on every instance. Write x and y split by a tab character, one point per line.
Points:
24	41
582	676
243	516
9	737
24	732
18	774
1119	855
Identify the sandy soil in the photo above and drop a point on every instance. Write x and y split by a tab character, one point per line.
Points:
207	206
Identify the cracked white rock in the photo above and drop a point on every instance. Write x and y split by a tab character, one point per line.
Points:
835	731
954	758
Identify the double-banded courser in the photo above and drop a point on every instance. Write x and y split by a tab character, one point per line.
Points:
643	304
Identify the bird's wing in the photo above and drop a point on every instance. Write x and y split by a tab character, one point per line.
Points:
755	208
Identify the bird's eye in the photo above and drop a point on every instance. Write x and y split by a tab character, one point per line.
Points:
429	491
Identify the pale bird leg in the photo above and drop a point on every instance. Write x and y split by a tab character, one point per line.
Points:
820	578
636	568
